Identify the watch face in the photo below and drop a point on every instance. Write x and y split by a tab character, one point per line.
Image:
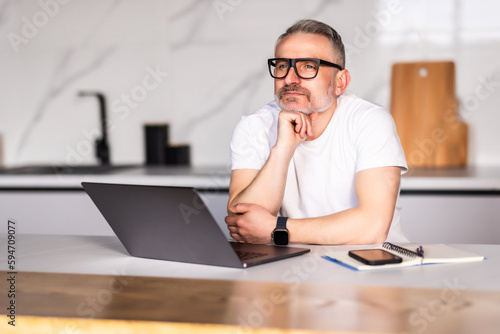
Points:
280	237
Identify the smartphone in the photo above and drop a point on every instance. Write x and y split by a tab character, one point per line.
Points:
374	257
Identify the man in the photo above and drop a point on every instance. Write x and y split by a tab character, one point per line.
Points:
328	162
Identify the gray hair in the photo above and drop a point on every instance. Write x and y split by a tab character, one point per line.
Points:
319	28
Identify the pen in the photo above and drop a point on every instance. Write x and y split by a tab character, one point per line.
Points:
420	251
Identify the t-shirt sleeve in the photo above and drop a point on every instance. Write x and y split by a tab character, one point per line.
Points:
249	145
377	142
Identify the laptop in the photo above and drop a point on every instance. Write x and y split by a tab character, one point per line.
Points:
174	224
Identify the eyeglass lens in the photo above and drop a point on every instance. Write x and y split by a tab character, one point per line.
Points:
305	69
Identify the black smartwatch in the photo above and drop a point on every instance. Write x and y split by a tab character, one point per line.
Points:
280	234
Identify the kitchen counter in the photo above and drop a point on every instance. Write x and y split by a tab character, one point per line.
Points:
205	178
483	179
470	179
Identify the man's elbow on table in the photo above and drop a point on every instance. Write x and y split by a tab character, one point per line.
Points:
376	232
366	229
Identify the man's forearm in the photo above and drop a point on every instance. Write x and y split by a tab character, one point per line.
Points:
351	226
377	192
268	187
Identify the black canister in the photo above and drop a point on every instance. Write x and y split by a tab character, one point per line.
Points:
156	138
178	155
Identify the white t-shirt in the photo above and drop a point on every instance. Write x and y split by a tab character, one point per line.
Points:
320	178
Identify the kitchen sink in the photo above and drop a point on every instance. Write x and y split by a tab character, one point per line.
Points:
65	170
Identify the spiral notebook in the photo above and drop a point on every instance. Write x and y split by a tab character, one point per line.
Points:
433	254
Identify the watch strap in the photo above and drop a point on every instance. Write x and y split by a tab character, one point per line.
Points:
281	224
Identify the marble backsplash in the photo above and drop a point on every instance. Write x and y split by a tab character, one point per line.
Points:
200	65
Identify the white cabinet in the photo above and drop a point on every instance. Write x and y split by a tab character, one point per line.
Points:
451	218
53	212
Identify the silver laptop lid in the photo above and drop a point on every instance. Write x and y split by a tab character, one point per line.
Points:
167	223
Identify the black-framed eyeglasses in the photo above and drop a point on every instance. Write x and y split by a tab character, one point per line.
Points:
305	68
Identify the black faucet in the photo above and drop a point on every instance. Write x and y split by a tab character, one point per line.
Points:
101	144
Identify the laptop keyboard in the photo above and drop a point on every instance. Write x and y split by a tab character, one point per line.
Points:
245	256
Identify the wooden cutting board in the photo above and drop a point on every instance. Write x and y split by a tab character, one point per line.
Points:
424	107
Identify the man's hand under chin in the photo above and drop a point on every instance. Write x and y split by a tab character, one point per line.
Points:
294	128
250	223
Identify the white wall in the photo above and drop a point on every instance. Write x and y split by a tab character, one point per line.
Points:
211	56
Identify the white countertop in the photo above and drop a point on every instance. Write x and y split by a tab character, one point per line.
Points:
215	177
218	177
106	255
469	178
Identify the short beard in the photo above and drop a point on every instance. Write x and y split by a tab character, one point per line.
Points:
324	103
